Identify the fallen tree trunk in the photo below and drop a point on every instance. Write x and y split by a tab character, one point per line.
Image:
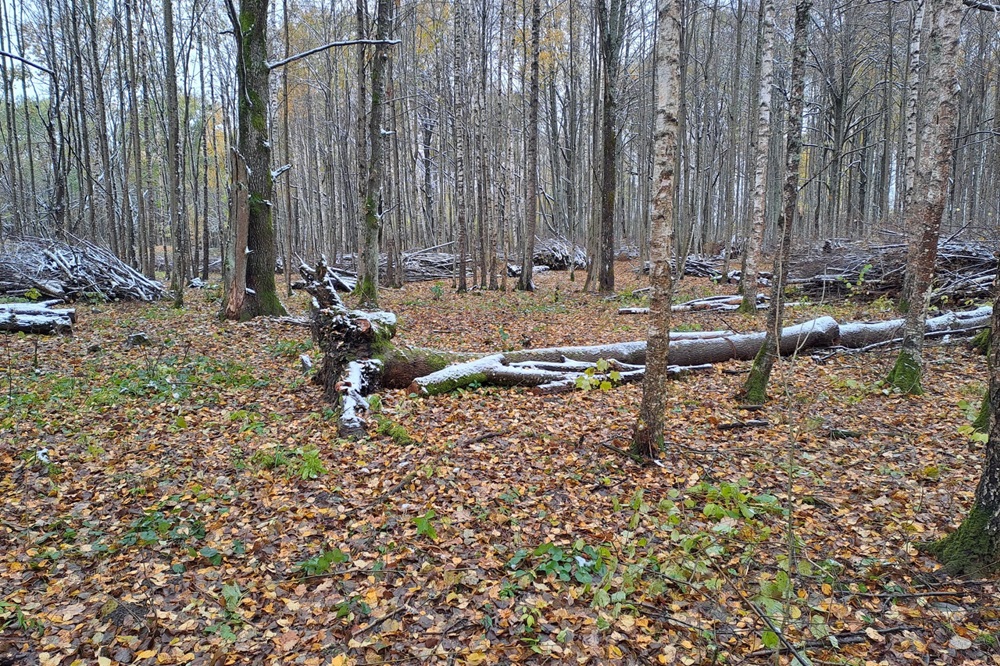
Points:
359	356
525	368
36	318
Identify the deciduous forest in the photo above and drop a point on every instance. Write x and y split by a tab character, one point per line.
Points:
483	332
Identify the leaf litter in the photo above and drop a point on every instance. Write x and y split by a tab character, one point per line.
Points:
189	502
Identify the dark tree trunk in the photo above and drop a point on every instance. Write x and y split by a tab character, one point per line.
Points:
524	282
253	89
974	548
755	389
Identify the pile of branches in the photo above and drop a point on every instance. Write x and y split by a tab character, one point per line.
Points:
696	265
559	254
963	271
51	268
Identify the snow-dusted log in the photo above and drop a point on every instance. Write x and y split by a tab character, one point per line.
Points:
527	367
862	334
711	303
360	379
36	318
350	340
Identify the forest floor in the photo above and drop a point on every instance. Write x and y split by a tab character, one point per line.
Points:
189	501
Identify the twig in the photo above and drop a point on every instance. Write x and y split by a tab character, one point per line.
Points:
847	638
628	454
379	621
753	423
762	615
478	438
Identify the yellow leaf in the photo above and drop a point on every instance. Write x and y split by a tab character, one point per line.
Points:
475	658
827	589
871	633
103	661
146	654
614	652
339	660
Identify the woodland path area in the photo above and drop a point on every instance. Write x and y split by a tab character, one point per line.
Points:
188	501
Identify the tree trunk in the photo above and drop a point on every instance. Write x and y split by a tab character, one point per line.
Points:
755	389
647	438
253	88
175	221
931	182
755	241
524	282
371	204
974	548
612	27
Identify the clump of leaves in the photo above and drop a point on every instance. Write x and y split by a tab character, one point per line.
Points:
307	465
320	564
424	525
600	376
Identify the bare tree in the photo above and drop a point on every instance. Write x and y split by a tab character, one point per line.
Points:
755	241
524	282
647	438
259	294
931	183
755	389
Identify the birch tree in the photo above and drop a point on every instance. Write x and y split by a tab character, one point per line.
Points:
751	263
647	438
931	186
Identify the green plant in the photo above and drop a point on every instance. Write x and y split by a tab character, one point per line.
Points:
11	615
308	466
424	525
437	291
289	348
599	376
320	564
270	458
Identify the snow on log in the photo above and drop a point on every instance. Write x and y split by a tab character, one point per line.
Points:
349	340
858	335
527	367
36	318
360	379
711	303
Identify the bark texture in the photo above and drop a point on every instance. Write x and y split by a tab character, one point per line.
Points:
755	389
756	238
931	185
371	195
647	438
524	282
253	90
974	548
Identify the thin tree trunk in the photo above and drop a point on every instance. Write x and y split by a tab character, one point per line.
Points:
755	389
524	282
647	438
755	241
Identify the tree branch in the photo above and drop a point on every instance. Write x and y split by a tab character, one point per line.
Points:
985	6
28	62
318	49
